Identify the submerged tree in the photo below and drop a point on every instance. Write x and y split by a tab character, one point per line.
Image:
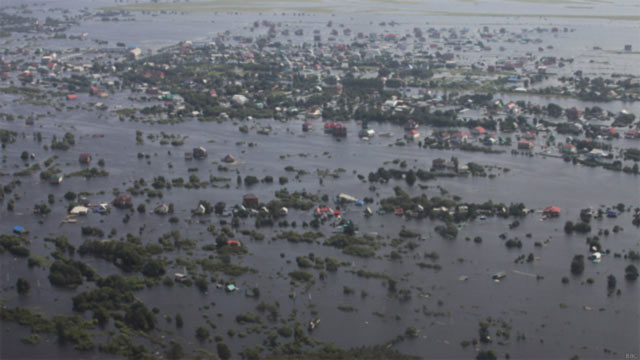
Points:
22	286
577	264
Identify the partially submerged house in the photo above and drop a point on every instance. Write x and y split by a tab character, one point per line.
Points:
462	169
123	201
328	127
229	159
459	138
161	209
323	212
632	134
56	179
439	164
442	210
596	154
412	134
335	129
79	210
552	211
339	130
250	201
525	145
479	131
233	243
568	148
199	153
84	158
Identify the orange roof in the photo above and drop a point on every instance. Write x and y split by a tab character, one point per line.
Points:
552	209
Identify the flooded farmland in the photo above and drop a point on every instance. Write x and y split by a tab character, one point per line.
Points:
286	181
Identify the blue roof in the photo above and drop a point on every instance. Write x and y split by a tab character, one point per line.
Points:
18	229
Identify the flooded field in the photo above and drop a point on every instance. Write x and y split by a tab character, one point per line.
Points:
434	238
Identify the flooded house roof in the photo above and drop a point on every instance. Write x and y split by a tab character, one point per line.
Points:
552	210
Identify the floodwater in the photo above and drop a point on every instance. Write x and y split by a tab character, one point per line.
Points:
530	306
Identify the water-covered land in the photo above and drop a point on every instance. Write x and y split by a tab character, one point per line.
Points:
381	180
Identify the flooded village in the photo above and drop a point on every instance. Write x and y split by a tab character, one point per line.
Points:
284	181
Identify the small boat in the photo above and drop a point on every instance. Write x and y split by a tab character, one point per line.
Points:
499	275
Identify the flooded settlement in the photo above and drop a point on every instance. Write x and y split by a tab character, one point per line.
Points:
319	179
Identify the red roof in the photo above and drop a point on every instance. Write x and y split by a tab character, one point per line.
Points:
72	97
84	158
552	210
